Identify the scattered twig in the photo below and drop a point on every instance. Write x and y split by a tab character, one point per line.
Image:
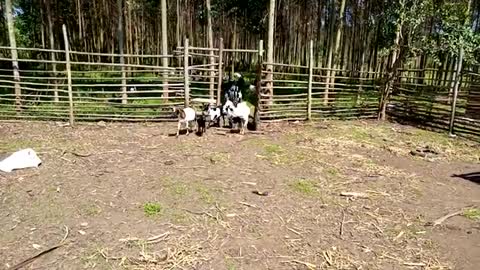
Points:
342	223
328	258
308	265
202	213
66	233
249	205
400	234
294	231
414	264
354	194
250	183
80	155
260	193
31	259
150	240
442	219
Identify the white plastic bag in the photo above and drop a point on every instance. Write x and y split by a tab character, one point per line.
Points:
26	158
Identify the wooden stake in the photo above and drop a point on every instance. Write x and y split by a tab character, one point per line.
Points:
256	117
310	80
210	45
220	72
271	30
69	75
120	48
455	91
163	4
185	71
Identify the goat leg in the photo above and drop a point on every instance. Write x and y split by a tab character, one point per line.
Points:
178	128
186	123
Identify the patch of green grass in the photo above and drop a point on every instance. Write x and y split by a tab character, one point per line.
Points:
206	195
218	157
15	145
152	209
332	171
472	213
180	189
230	264
273	149
305	187
92	210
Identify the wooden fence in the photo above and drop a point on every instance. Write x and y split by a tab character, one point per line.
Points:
305	93
425	100
63	84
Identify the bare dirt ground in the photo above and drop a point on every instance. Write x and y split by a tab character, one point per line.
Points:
128	196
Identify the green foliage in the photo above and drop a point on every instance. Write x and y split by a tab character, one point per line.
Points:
305	187
152	209
454	32
430	27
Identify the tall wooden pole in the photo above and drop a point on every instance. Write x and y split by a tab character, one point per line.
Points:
120	50
13	45
186	73
210	46
69	75
455	91
52	46
271	30
310	81
220	72
258	85
164	47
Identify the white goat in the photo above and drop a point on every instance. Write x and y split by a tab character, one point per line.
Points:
240	112
185	115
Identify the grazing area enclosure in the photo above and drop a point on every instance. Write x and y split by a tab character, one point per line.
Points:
117	190
331	195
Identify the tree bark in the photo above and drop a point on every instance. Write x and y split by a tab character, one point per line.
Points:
52	46
330	52
120	50
164	47
13	45
337	41
210	45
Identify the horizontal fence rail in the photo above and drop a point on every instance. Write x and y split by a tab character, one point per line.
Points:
100	86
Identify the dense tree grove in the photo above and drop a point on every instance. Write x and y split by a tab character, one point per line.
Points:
349	34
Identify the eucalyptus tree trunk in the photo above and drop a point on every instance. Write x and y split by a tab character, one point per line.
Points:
13	45
52	46
337	40
164	47
120	50
210	45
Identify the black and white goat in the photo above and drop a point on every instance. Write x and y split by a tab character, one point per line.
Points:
239	113
185	115
213	114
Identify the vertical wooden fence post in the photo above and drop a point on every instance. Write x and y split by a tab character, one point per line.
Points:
220	73
258	86
185	73
120	49
455	91
310	81
69	75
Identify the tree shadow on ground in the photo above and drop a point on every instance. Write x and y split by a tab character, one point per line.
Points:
472	177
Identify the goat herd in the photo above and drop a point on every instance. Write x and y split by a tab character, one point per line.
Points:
234	110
